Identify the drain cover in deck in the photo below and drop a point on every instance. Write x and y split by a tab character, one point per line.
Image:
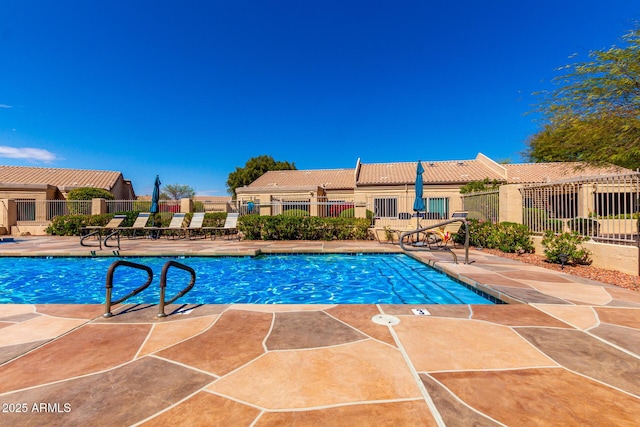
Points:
385	319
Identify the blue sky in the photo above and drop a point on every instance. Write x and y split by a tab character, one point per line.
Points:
190	90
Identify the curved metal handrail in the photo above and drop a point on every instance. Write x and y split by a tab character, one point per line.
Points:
90	234
163	284
109	285
426	246
115	233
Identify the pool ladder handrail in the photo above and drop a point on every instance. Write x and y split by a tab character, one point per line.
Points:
163	284
109	285
425	246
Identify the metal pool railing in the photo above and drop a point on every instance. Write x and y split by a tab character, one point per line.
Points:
163	284
432	238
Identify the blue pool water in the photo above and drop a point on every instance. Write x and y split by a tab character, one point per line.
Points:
267	279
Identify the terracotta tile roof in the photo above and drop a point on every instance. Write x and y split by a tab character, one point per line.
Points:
58	177
458	171
438	172
526	173
330	178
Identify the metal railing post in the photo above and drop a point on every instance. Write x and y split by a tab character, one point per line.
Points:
163	284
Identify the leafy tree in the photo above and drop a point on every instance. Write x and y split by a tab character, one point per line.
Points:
252	170
176	192
88	193
594	114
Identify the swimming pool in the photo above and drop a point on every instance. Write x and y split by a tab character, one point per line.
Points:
266	279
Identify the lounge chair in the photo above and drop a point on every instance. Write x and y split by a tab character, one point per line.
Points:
230	227
195	226
175	228
112	229
139	225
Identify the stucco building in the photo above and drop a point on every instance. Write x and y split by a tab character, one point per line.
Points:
388	189
41	183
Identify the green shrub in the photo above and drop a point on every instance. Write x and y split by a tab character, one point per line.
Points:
350	213
514	237
295	212
213	219
567	244
70	225
506	236
88	193
284	227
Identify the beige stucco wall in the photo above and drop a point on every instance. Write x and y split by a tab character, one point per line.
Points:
29	230
37	193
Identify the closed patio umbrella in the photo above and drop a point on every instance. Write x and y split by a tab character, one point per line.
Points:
155	199
418	203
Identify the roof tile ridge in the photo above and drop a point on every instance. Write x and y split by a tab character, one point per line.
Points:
60	169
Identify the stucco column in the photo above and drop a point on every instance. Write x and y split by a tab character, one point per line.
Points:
510	199
313	204
265	204
186	205
98	206
8	215
585	200
360	209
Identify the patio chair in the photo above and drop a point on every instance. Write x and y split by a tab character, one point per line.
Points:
139	225
112	229
175	228
441	236
195	226
230	227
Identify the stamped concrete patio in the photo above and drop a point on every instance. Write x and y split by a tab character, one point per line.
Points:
565	351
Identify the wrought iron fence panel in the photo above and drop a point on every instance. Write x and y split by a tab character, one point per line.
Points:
604	208
483	206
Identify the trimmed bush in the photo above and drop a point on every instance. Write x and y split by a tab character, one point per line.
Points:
506	236
88	193
295	212
350	213
70	225
284	227
567	244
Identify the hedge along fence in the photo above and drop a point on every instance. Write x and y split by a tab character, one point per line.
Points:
71	225
506	236
284	227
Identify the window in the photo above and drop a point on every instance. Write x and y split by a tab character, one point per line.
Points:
385	207
26	209
438	207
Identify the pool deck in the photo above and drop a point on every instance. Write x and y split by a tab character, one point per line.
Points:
565	351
